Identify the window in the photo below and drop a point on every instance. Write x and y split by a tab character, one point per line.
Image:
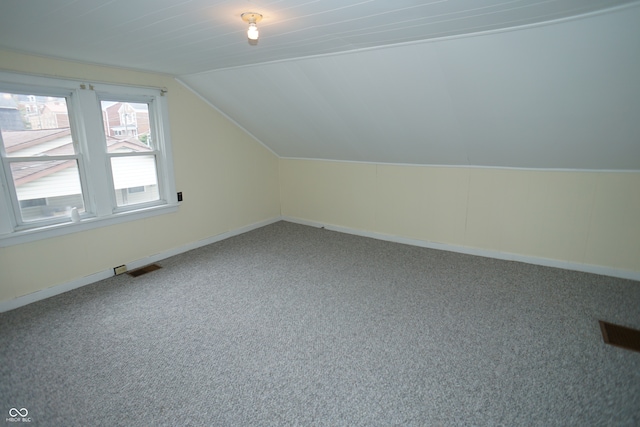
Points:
101	149
133	158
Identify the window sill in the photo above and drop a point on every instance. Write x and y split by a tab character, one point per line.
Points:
35	234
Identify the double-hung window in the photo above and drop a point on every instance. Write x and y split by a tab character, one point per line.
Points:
76	155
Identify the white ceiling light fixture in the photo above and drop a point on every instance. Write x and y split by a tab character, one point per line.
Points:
252	18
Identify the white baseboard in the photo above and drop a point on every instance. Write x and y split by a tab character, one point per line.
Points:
74	284
53	291
199	243
547	262
83	281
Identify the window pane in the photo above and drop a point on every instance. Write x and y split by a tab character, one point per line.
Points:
47	188
130	174
34	125
126	126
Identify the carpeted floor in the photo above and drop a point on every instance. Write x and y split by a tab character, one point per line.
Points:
293	325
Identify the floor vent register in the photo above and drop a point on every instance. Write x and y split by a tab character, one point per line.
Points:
620	336
143	270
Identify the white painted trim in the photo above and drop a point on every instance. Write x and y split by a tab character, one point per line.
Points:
547	262
74	284
199	243
364	162
225	115
105	274
34	234
53	291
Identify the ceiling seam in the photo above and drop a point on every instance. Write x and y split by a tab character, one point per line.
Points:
429	40
431	165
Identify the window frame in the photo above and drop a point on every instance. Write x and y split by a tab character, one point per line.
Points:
156	145
92	157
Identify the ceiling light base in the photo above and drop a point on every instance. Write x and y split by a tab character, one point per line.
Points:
251	17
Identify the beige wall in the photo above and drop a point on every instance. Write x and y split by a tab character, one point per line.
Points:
590	218
228	180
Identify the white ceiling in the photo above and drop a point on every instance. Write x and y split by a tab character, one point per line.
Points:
396	81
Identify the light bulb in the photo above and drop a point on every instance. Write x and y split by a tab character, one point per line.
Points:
252	32
252	18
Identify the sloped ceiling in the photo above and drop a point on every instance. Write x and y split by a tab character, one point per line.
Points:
564	95
513	83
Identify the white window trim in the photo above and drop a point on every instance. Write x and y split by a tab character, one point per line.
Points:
100	206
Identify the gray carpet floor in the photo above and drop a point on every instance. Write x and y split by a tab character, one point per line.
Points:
294	325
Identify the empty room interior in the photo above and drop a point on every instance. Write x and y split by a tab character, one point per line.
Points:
374	212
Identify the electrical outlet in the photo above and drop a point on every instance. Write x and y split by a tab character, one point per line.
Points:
120	269
179	196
